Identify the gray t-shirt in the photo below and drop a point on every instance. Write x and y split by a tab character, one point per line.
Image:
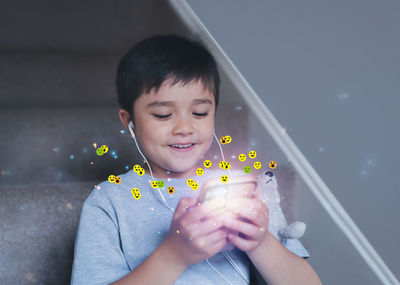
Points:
116	232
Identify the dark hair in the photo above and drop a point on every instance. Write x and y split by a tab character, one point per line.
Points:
153	60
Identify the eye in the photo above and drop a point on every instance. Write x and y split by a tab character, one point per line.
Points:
161	116
201	114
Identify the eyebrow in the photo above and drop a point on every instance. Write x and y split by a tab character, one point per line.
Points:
171	103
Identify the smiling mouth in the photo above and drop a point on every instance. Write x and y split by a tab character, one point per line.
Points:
181	146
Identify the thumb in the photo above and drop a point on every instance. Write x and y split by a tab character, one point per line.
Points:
183	206
257	191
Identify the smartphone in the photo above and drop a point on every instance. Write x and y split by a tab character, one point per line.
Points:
243	186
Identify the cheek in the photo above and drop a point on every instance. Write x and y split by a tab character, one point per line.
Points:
151	135
208	141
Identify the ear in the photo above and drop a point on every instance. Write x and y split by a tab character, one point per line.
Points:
125	118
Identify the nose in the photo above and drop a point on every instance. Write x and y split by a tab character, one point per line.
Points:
183	126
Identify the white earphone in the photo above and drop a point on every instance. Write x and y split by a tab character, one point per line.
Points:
226	254
130	126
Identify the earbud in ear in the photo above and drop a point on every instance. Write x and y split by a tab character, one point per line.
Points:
130	126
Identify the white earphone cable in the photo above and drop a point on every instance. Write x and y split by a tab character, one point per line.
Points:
222	153
232	262
151	172
225	254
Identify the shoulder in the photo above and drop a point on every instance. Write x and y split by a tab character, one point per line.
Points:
109	193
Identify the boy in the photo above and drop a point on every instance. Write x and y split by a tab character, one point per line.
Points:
168	86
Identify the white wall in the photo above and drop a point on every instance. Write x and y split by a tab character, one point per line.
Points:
329	72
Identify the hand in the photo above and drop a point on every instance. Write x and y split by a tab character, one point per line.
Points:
251	223
198	233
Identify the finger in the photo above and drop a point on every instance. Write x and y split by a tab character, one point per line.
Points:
217	246
216	236
250	210
245	202
257	194
206	210
183	206
206	227
245	228
241	243
206	241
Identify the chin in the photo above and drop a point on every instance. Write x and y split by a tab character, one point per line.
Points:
181	169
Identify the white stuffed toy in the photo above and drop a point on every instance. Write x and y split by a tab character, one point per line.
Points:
268	193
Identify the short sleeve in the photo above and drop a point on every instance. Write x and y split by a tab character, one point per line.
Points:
98	257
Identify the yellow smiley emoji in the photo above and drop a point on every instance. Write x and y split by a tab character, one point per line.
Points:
136	167
242	157
227	165
222	164
111	178
189	182
207	163
136	193
257	165
171	189
252	154
228	139
195	186
117	180
222	140
154	183
224	178
272	164
140	172
104	148
200	171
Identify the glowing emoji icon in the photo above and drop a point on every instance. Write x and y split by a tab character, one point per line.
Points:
222	140
154	184
227	165
257	165
200	171
136	167
136	193
228	139
247	169
111	178
99	151
207	163
224	178
140	172
171	189
117	180
242	157
195	186
160	183
189	182
272	164
252	154
104	148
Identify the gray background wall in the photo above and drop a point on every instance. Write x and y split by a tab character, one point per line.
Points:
329	72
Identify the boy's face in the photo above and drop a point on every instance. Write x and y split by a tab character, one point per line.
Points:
175	115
